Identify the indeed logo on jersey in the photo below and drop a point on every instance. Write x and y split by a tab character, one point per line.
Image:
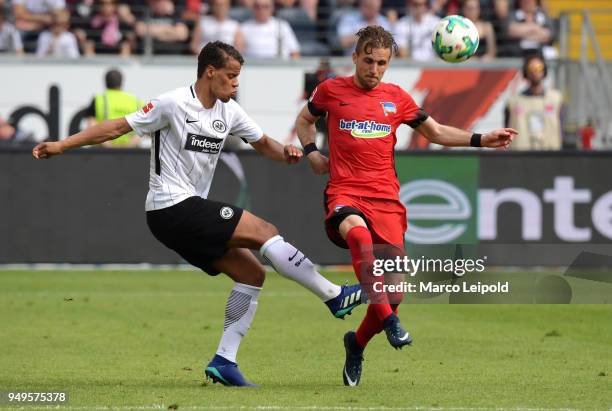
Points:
203	144
365	129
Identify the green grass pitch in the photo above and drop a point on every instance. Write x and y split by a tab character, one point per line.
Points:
140	339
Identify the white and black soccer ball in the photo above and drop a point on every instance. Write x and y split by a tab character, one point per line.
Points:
455	39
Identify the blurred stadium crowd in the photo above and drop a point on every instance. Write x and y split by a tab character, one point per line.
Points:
262	28
289	29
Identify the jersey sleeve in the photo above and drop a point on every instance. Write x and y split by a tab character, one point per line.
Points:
151	117
318	103
412	114
243	126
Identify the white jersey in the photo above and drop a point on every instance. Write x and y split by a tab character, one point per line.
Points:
215	30
187	141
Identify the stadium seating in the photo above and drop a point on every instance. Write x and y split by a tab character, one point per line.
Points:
320	37
601	15
240	14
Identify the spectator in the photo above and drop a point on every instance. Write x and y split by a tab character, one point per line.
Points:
393	10
10	40
266	36
244	3
532	30
7	131
413	32
309	6
486	48
501	22
217	27
536	112
165	26
34	16
86	8
443	8
106	33
112	104
192	10
58	41
126	14
11	136
367	15
81	12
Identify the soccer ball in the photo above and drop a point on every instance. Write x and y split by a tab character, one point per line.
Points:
455	39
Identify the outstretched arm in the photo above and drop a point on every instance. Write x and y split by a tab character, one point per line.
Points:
273	150
306	132
107	130
455	137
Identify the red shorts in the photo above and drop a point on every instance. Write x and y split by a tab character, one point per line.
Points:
386	219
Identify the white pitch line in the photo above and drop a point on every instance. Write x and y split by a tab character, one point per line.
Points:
282	408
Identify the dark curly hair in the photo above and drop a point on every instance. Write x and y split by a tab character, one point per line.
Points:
216	54
375	37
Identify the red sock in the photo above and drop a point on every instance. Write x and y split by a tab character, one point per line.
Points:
359	241
360	244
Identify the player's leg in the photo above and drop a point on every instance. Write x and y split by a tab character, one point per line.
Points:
354	230
242	267
255	233
355	343
351	225
388	225
198	230
381	316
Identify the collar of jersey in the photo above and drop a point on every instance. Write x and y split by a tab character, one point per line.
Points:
194	96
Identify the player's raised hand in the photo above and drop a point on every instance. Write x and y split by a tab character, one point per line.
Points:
292	154
47	149
500	138
318	162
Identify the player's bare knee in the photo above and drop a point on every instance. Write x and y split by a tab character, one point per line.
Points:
349	223
266	231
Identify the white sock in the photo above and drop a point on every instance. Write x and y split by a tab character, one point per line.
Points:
239	313
292	263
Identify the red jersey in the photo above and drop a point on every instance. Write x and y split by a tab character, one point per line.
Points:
361	125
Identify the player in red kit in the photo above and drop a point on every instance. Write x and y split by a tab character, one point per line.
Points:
364	213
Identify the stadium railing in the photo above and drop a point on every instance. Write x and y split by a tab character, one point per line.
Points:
593	96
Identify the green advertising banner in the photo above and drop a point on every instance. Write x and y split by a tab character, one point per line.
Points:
440	194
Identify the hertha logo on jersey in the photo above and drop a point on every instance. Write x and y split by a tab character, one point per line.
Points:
388	107
203	144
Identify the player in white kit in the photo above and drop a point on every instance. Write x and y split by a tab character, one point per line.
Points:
189	127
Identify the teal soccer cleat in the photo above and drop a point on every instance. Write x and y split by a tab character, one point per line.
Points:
344	303
221	370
